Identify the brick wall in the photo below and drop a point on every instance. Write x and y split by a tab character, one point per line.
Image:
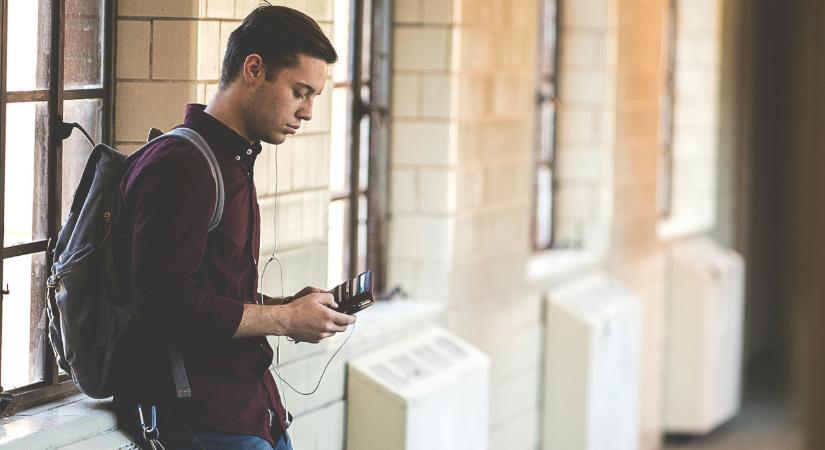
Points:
635	255
463	90
423	190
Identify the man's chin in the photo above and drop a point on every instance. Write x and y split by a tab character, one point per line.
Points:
276	139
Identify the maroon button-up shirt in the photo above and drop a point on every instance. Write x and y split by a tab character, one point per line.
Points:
189	284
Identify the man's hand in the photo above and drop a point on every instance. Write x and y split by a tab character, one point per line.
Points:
306	291
284	300
310	319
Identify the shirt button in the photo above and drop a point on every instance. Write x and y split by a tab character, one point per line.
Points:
238	158
249	152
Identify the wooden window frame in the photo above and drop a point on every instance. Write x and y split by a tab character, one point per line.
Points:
664	200
377	14
54	384
547	95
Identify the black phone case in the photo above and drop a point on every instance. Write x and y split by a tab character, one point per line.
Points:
354	295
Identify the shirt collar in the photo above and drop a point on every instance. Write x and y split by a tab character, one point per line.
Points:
221	138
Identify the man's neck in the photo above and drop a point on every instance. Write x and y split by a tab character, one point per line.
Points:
223	108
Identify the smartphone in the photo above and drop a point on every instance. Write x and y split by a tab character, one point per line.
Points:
354	295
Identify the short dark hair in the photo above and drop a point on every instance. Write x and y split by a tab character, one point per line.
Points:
279	34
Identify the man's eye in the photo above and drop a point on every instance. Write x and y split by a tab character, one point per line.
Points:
298	94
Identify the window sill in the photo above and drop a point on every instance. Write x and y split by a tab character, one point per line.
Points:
552	266
379	323
675	228
74	422
78	422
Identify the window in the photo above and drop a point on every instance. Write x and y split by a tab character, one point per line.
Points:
56	67
543	207
359	141
664	194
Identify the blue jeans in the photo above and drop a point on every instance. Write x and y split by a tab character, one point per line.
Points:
198	437
178	434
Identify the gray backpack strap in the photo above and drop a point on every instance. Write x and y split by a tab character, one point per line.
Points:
194	138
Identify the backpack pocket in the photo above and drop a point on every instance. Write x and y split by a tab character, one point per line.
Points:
71	280
70	260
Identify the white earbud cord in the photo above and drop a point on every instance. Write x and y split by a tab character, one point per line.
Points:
277	363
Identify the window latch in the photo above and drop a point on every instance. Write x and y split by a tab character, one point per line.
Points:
6	290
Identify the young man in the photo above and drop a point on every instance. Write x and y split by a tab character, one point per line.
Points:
198	288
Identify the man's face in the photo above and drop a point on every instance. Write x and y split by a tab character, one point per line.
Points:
276	108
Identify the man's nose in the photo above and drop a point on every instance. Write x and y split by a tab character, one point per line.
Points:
305	111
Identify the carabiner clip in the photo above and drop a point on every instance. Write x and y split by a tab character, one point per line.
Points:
150	433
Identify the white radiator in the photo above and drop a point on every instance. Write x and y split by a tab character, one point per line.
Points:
430	391
705	325
592	366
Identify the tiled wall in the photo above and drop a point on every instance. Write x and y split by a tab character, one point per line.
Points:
494	69
635	255
169	54
463	94
422	176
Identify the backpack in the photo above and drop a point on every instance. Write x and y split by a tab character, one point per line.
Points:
85	315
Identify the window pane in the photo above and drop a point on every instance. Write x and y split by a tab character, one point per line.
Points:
29	45
664	183
76	149
83	51
26	140
364	156
336	269
544	207
24	321
547	132
341	40
339	152
366	39
547	54
362	233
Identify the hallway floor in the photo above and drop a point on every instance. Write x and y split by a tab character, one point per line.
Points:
765	422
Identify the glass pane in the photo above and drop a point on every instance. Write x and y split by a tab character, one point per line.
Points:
26	139
341	40
544	207
366	39
547	132
336	257
339	140
364	156
664	182
362	233
76	149
547	52
83	50
29	45
24	321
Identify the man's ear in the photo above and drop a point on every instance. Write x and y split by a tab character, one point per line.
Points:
253	68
